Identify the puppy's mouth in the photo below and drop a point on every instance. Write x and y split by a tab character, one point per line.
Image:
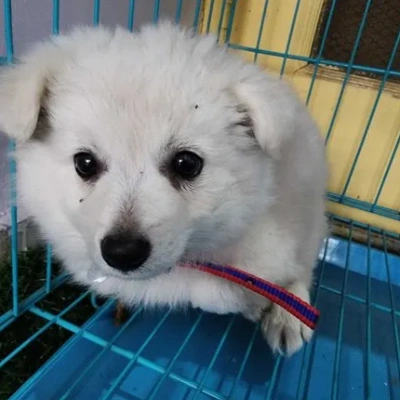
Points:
97	275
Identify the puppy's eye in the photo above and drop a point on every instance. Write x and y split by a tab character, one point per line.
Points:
187	165
86	165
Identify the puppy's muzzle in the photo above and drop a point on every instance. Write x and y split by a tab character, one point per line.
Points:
124	251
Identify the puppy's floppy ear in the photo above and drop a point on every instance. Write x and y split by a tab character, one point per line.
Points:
271	106
22	87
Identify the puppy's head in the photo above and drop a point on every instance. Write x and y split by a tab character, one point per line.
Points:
135	151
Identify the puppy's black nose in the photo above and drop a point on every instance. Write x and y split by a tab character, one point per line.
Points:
124	251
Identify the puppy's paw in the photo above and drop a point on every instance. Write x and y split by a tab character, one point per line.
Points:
284	333
253	313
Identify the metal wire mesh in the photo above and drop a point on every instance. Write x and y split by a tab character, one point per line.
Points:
360	316
377	39
357	288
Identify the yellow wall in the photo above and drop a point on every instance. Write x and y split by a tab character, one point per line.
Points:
354	111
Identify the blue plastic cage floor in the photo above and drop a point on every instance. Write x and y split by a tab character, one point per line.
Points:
165	355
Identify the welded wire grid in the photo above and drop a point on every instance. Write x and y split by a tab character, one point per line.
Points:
352	297
376	43
355	353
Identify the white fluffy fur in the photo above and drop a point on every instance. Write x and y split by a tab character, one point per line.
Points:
258	203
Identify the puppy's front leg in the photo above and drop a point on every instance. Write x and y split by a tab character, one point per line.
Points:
285	333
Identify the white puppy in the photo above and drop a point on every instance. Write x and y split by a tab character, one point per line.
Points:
137	151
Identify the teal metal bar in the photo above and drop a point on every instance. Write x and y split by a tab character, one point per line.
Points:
313	60
290	37
360	300
178	12
339	336
93	301
309	348
131	14
154	392
372	114
215	356
156	11
7	10
260	30
128	367
123	352
66	347
368	322
364	226
230	22
24	305
363	205
9	356
96	12
49	266
14	231
210	14
244	361
221	18
96	359
197	15
385	175
12	168
349	69
7	319
320	51
56	17
394	312
274	378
